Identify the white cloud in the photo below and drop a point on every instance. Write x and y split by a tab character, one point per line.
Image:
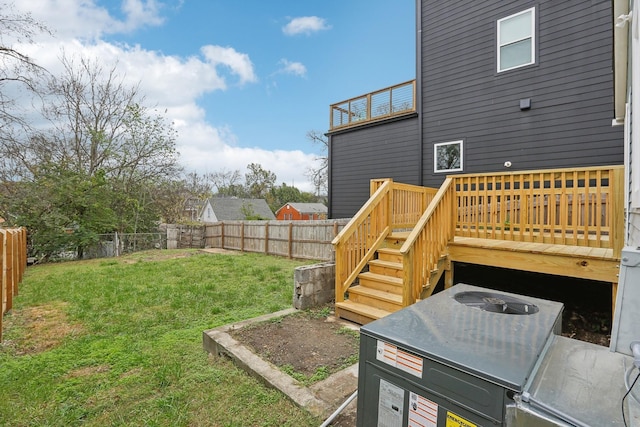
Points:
140	13
239	63
208	149
295	68
305	25
170	83
86	20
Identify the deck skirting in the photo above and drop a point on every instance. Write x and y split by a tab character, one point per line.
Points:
597	264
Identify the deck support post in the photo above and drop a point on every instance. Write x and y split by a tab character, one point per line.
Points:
448	275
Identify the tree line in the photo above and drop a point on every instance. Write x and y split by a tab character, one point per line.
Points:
99	160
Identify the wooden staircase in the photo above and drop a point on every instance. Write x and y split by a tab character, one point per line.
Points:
378	291
567	222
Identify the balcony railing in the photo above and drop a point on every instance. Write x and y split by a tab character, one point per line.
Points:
379	105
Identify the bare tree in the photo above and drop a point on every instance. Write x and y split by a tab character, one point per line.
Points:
227	182
17	70
319	175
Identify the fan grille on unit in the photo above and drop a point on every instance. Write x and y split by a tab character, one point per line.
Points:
495	302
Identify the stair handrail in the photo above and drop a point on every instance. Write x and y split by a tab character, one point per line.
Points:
361	237
427	243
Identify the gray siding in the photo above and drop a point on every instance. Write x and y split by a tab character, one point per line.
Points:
464	98
359	155
570	87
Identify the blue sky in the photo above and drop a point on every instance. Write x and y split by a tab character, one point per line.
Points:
242	80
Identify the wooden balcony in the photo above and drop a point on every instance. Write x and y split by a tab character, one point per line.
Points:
566	222
382	104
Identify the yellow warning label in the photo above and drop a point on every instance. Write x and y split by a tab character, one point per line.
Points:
454	420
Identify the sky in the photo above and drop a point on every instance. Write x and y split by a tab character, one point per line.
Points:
242	81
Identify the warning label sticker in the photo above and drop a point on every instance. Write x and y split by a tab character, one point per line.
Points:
390	405
454	420
422	411
392	355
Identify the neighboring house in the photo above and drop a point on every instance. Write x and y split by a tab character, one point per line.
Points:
302	211
501	85
192	209
230	209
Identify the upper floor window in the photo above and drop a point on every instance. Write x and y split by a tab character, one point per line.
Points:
516	40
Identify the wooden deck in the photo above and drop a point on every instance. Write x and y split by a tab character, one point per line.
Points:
559	222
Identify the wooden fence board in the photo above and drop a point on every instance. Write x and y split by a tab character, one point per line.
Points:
13	257
293	239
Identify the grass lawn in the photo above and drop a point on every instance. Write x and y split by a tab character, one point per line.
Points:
118	342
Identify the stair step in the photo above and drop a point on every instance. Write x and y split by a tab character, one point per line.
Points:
396	239
358	313
390	254
381	282
387	268
375	298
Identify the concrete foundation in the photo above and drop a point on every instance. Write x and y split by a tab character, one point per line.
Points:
314	285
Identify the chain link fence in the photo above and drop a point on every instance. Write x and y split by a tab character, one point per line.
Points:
116	244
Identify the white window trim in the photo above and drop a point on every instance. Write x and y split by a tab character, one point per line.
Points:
435	156
533	39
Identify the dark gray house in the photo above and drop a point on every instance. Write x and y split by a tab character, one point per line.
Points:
500	85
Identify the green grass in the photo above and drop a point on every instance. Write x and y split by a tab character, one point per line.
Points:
118	342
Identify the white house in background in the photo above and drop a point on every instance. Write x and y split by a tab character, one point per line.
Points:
234	209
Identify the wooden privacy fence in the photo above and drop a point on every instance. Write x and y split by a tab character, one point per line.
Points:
13	244
293	239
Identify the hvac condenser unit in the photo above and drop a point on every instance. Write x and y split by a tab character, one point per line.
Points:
470	357
454	359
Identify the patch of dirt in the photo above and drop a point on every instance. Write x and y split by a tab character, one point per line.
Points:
42	328
304	341
308	341
88	371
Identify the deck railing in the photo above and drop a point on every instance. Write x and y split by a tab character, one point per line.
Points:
427	243
384	103
391	206
575	207
572	207
13	250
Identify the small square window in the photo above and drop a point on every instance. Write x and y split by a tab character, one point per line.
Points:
447	156
516	40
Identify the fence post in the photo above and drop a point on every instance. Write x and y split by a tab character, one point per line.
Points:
7	275
222	235
266	238
15	268
290	240
3	290
242	236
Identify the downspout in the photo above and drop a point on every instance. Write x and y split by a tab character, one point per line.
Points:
620	49
419	90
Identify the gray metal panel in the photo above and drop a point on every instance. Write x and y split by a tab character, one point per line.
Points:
626	320
570	87
361	154
499	348
581	381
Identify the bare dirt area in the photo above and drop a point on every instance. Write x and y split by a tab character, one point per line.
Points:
44	327
309	345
